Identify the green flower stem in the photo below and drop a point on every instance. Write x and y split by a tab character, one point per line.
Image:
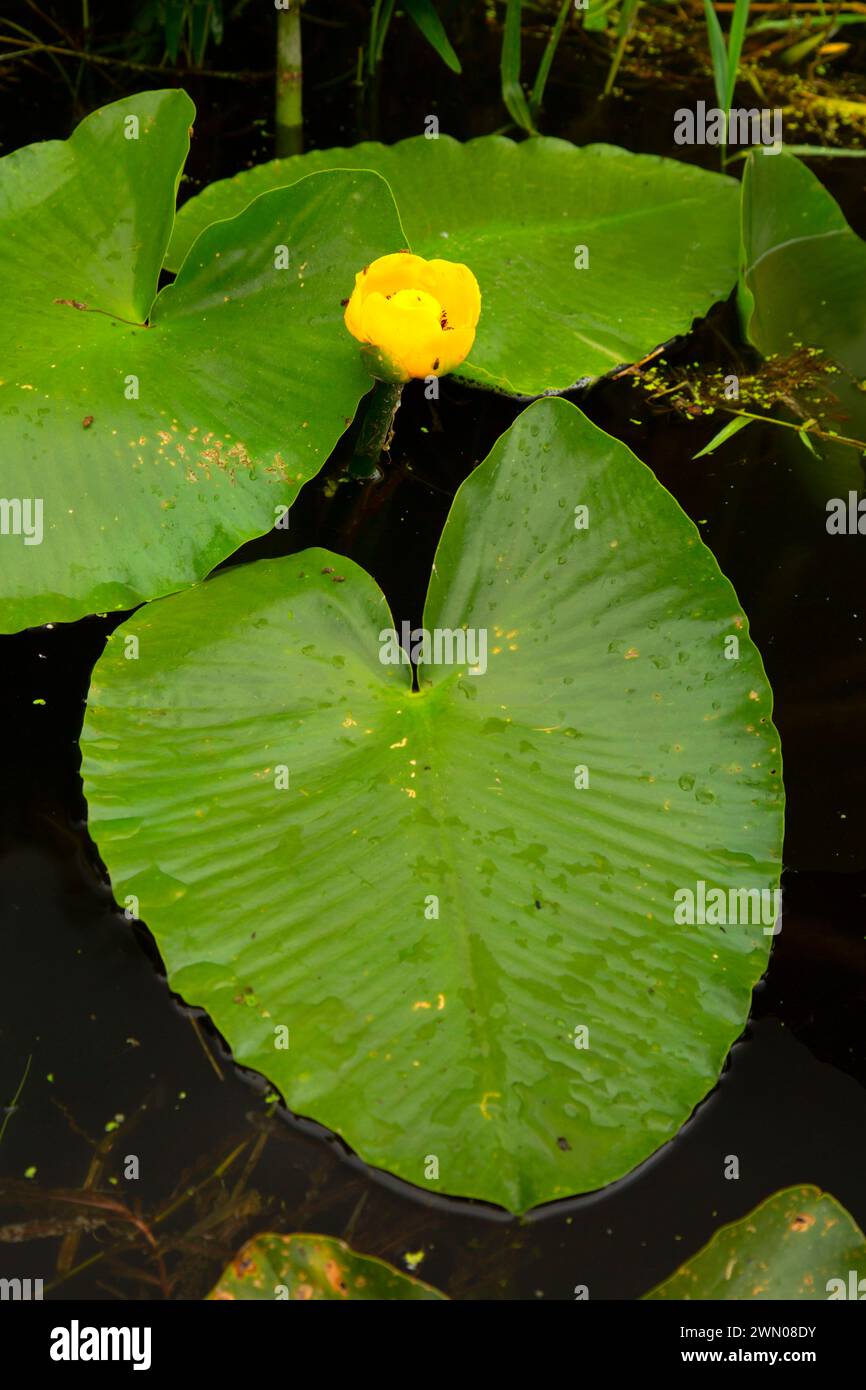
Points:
377	429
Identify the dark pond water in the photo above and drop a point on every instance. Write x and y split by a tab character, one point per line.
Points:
83	994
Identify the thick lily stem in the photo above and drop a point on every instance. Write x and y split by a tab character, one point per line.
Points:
376	430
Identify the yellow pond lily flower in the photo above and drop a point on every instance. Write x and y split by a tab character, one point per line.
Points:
416	318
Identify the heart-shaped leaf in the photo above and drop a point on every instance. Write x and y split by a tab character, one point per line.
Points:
144	441
444	923
314	1268
800	1245
660	243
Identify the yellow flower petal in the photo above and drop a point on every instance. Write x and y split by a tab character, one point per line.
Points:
417	317
352	316
406	327
399	271
455	346
456	289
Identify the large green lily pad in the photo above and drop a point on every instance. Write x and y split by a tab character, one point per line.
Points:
799	1245
315	1269
662	240
475	955
159	432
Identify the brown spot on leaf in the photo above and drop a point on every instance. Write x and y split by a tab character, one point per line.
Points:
334	1275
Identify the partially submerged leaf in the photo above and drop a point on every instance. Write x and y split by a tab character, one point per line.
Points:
804	269
314	1268
444	923
799	1245
803	282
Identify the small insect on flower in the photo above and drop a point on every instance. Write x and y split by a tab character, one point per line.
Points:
415	318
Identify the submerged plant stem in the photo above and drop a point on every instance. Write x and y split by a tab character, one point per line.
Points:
377	429
10	1109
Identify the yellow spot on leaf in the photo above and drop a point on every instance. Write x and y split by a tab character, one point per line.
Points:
488	1096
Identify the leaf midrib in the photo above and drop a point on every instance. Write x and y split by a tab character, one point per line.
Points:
422	702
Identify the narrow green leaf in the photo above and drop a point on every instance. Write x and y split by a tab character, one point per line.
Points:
628	10
726	432
423	12
824	152
547	59
798	51
809	152
174	16
199	26
217	21
596	18
718	54
837	21
736	36
380	23
512	92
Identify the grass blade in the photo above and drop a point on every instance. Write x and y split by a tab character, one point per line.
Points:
626	19
718	53
726	432
424	15
547	57
512	92
735	47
